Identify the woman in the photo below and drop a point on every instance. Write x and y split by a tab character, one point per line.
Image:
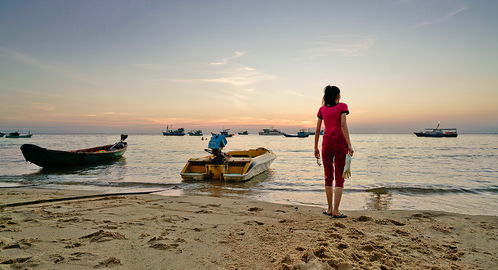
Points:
335	145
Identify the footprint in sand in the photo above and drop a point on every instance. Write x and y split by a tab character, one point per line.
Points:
355	233
335	236
109	227
102	236
74	219
253	222
16	260
76	256
109	262
342	246
442	228
255	209
203	211
21	244
164	246
362	219
388	222
339	225
73	245
56	258
403	233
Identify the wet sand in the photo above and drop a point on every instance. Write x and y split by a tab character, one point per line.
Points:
200	232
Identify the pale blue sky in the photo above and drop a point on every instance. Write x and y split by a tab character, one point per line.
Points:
139	65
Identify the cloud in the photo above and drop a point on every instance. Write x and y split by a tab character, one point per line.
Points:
227	72
60	70
150	66
240	75
297	94
43	107
346	45
225	60
440	19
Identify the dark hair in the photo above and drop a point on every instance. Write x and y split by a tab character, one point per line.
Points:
330	94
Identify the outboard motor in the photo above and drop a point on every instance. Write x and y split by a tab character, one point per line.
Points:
215	145
119	144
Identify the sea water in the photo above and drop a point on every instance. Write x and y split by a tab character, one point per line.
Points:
388	171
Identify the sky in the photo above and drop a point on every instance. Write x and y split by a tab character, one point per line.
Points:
137	66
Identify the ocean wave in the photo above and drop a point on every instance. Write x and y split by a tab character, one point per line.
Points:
420	190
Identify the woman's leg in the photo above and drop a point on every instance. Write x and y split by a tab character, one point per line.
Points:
337	200
328	191
328	169
339	162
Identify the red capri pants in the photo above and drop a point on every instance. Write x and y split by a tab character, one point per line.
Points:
334	159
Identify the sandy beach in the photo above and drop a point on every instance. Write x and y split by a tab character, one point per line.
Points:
200	232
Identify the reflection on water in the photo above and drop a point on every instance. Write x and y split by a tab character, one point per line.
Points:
116	168
217	188
379	201
413	172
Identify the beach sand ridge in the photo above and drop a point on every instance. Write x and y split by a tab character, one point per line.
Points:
201	232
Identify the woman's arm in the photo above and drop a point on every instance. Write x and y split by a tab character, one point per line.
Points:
345	131
317	137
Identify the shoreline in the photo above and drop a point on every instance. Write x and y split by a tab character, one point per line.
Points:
199	232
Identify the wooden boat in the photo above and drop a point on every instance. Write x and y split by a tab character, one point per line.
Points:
176	132
17	135
238	166
47	158
437	132
195	132
300	134
245	132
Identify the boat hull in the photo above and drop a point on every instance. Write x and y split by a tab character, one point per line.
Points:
258	166
421	134
238	167
270	134
20	136
173	134
47	158
296	136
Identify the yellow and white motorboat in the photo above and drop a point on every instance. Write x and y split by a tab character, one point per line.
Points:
230	166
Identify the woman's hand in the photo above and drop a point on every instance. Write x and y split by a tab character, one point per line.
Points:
350	150
317	153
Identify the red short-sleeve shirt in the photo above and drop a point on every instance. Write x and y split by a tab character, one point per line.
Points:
331	116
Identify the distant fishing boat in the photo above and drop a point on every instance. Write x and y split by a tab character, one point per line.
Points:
243	132
270	132
47	158
176	132
312	131
224	133
437	132
17	135
195	132
300	134
230	166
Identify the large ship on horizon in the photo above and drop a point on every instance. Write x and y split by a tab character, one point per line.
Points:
437	132
176	132
270	132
